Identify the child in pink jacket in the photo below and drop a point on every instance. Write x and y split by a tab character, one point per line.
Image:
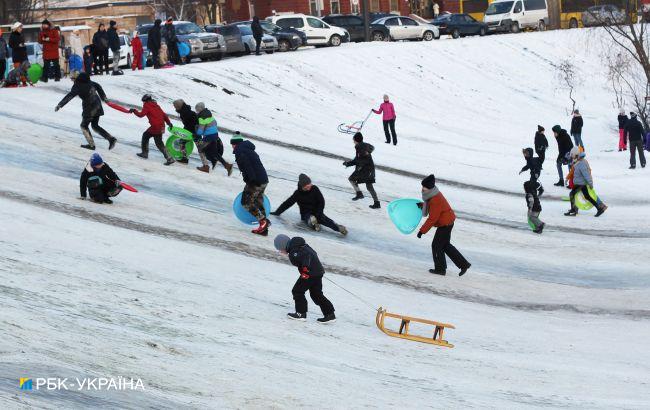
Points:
389	116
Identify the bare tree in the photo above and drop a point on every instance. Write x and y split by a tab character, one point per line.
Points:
18	10
179	9
568	78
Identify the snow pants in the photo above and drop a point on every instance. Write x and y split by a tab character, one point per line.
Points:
322	219
622	143
442	246
634	147
577	138
533	218
369	187
94	123
116	61
3	68
390	124
541	154
101	61
315	287
213	151
146	136
100	190
585	192
48	67
252	200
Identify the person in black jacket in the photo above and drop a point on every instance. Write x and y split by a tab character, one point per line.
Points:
311	204
534	207
99	180
576	128
364	172
92	95
189	119
634	134
169	34
541	144
256	180
622	120
311	273
114	45
564	146
535	166
258	33
17	45
100	50
153	43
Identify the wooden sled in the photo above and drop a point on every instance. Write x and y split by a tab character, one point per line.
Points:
403	332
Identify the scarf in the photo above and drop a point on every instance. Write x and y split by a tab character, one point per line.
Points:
426	195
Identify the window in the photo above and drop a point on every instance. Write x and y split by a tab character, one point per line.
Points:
335	7
392	22
187	28
315	23
314	10
290	23
394	5
122	42
535	4
517	8
245	30
374	6
408	22
354	6
354	21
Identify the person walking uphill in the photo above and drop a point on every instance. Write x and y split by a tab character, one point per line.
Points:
92	95
541	144
311	271
440	215
312	204
157	120
576	128
564	146
364	171
255	177
49	38
258	33
99	180
210	143
114	45
634	133
622	120
388	116
100	50
582	182
154	40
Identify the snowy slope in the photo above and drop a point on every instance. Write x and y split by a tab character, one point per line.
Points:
165	285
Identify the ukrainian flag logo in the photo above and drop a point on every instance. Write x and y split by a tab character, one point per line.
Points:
25	383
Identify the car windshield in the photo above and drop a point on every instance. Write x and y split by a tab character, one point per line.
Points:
30	49
187	28
499	8
144	29
444	17
245	30
270	27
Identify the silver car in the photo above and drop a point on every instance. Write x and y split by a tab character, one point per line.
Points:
603	15
405	28
239	39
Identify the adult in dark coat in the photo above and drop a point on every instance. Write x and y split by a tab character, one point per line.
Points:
169	34
92	95
100	50
153	43
258	33
634	134
99	180
576	128
256	179
311	204
622	120
114	45
364	171
564	146
17	45
311	271
541	144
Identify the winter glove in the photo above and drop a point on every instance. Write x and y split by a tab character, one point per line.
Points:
169	128
132	110
420	204
57	108
304	273
346	164
419	234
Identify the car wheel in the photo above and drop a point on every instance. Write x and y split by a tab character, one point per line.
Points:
482	32
269	51
247	50
573	23
377	36
128	60
284	45
335	40
427	36
455	33
218	56
541	26
514	27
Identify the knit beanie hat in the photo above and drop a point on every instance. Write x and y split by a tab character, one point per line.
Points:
303	180
45	22
281	241
358	137
633	114
556	128
96	160
178	104
236	139
199	107
540	128
147	97
429	182
112	23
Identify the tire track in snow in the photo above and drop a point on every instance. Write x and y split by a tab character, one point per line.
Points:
267	254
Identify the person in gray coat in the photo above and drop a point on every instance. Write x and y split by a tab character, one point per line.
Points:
582	182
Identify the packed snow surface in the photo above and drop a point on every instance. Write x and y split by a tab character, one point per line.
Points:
166	286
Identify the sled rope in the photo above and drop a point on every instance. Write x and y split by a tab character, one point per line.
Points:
357	297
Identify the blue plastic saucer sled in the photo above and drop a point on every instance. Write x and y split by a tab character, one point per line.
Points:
405	214
243	215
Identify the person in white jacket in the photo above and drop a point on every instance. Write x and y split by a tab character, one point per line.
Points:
75	44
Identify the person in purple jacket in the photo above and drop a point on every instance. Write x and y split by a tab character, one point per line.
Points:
388	111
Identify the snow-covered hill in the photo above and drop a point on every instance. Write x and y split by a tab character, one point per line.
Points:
166	286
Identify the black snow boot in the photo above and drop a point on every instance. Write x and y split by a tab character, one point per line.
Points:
184	161
111	143
376	205
571	212
331	318
142	155
601	211
358	196
464	270
297	316
559	183
169	161
88	146
438	272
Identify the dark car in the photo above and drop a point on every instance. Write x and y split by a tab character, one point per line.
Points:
354	25
460	25
288	38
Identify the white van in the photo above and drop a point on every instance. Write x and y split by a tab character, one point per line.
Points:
515	15
318	32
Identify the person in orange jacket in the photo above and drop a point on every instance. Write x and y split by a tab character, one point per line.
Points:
136	44
439	214
49	38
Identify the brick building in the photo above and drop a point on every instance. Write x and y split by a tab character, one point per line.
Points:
234	10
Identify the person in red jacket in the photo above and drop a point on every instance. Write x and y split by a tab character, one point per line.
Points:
49	38
157	119
136	44
440	215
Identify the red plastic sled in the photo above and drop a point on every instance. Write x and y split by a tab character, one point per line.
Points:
127	187
118	107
